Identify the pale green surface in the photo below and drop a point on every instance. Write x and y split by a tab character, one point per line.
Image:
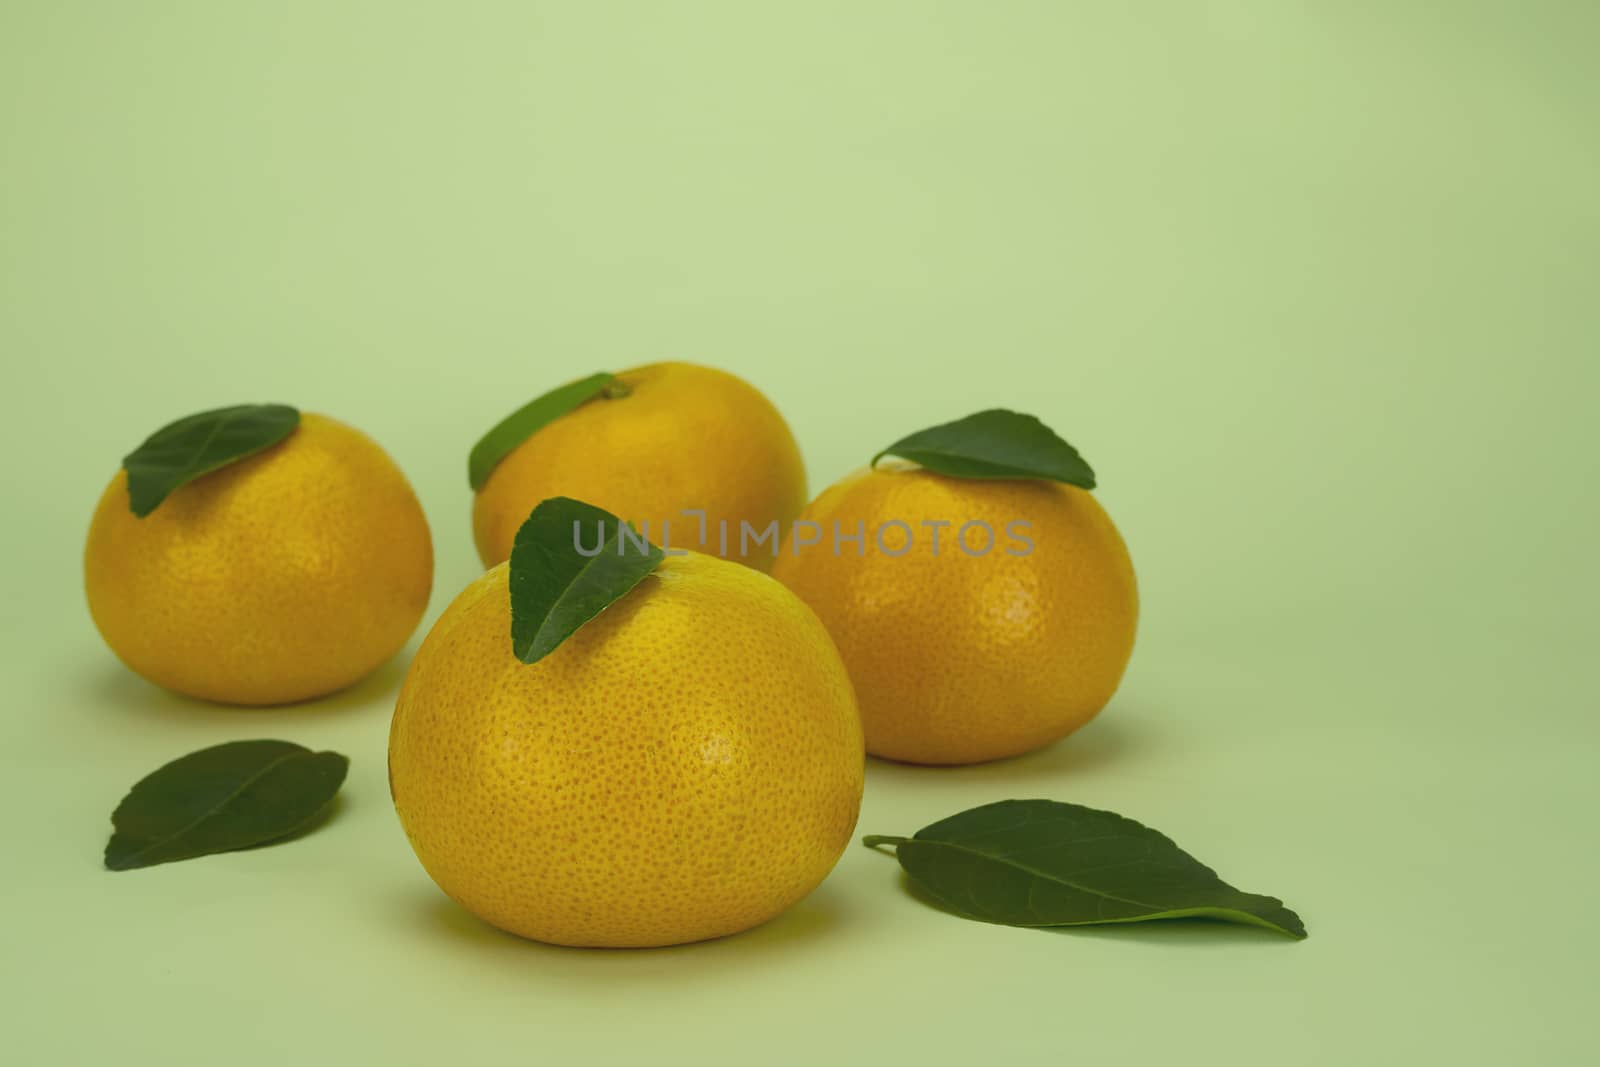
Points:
1313	286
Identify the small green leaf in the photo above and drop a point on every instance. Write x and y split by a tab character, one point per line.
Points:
1044	863
527	420
558	582
994	444
182	451
231	796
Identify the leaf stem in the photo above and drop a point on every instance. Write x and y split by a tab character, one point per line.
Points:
878	840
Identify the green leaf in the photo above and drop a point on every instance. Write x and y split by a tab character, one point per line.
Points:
527	420
994	444
555	588
227	797
1044	863
182	451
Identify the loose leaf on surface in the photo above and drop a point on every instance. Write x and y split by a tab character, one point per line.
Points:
527	420
994	444
182	451
231	796
555	588
1045	863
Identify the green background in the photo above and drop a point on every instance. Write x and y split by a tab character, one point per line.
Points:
1312	285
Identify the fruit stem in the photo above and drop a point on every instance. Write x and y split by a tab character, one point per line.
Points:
876	840
615	389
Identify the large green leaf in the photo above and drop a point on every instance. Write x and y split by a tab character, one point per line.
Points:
231	796
555	587
1045	863
184	450
994	444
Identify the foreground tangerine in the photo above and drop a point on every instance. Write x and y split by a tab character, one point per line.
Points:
687	765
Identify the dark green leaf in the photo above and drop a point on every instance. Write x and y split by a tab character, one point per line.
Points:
228	797
182	451
527	420
555	588
1044	863
994	444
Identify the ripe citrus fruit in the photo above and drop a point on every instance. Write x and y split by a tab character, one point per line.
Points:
959	656
666	437
283	576
686	765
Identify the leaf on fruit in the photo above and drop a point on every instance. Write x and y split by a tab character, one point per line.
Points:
994	444
1045	863
527	420
558	582
182	451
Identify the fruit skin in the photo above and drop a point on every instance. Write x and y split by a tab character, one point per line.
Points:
684	437
281	577
687	765
958	658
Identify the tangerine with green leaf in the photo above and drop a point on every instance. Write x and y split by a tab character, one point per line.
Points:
988	607
624	750
647	444
255	555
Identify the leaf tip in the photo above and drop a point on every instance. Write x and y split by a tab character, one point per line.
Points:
532	652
